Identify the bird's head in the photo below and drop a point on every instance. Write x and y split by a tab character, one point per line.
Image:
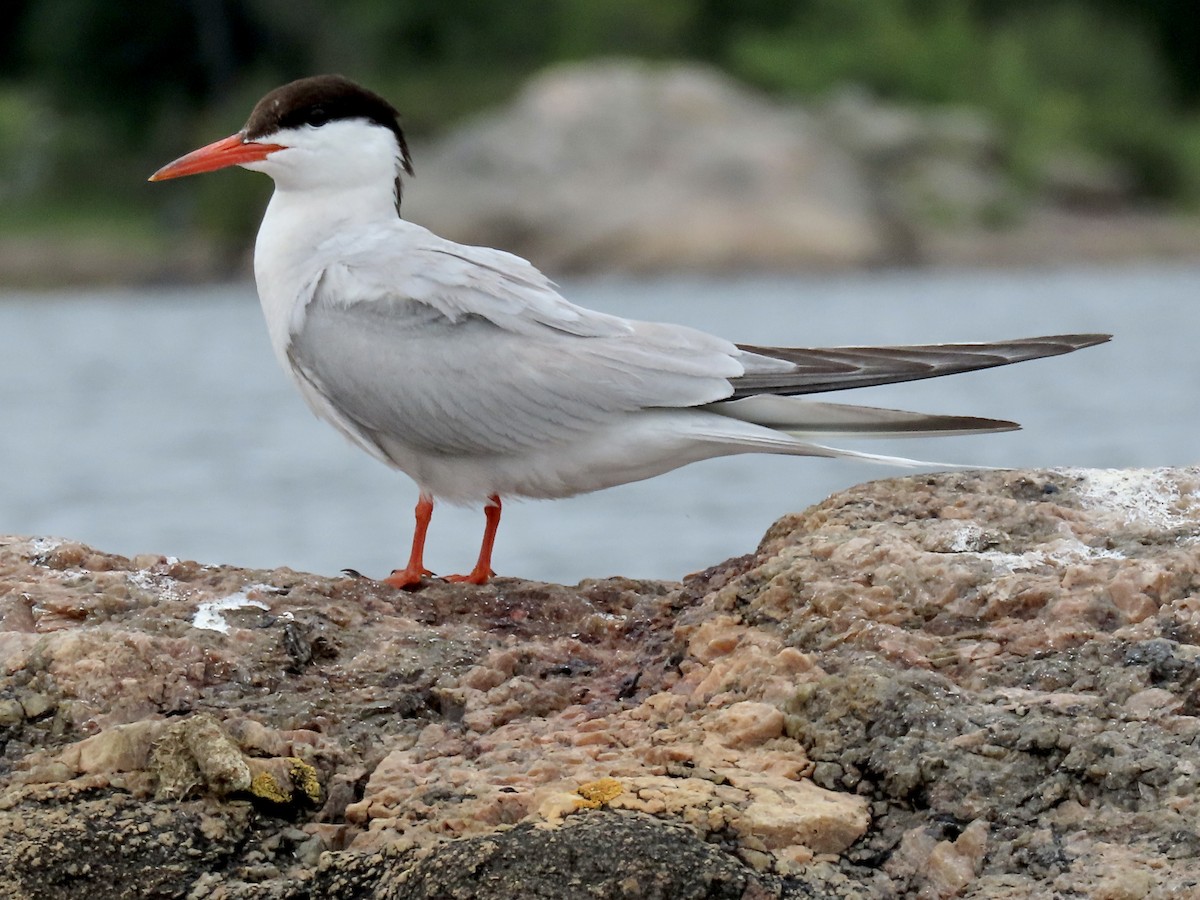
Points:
324	132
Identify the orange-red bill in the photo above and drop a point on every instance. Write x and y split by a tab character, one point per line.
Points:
231	151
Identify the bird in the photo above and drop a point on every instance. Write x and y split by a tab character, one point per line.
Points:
466	369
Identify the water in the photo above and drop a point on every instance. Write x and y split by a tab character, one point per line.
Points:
157	420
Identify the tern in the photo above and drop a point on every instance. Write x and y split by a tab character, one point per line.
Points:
464	368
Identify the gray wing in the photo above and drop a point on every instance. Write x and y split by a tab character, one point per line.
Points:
840	368
445	379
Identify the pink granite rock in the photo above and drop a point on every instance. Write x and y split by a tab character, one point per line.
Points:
970	684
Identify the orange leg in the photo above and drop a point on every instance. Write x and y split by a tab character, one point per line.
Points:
483	566
411	575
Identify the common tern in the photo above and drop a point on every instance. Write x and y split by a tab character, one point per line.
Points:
464	368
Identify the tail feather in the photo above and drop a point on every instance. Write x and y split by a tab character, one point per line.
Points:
805	418
771	419
839	368
791	425
766	441
821	450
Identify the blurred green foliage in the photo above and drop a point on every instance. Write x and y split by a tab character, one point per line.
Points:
1061	78
93	96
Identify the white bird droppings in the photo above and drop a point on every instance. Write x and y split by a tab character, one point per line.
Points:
1146	497
42	545
209	614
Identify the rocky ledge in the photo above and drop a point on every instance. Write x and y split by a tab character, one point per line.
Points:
968	684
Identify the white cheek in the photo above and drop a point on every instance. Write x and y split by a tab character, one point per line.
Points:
337	155
281	164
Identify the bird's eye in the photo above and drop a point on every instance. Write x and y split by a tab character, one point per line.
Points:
317	116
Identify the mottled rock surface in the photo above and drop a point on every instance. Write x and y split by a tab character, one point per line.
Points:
977	684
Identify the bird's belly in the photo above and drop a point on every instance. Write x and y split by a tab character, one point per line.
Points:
640	445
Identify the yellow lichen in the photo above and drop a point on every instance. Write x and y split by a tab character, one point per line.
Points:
304	776
265	786
270	783
597	793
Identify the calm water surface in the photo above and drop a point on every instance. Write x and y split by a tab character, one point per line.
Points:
157	420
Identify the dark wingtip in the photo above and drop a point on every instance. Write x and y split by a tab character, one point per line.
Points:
962	425
991	424
1076	341
841	368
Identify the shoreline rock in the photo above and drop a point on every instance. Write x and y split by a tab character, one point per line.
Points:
973	684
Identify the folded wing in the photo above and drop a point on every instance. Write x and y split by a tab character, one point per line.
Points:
462	351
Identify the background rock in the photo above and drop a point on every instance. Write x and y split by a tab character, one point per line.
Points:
928	168
635	167
624	166
971	684
631	167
